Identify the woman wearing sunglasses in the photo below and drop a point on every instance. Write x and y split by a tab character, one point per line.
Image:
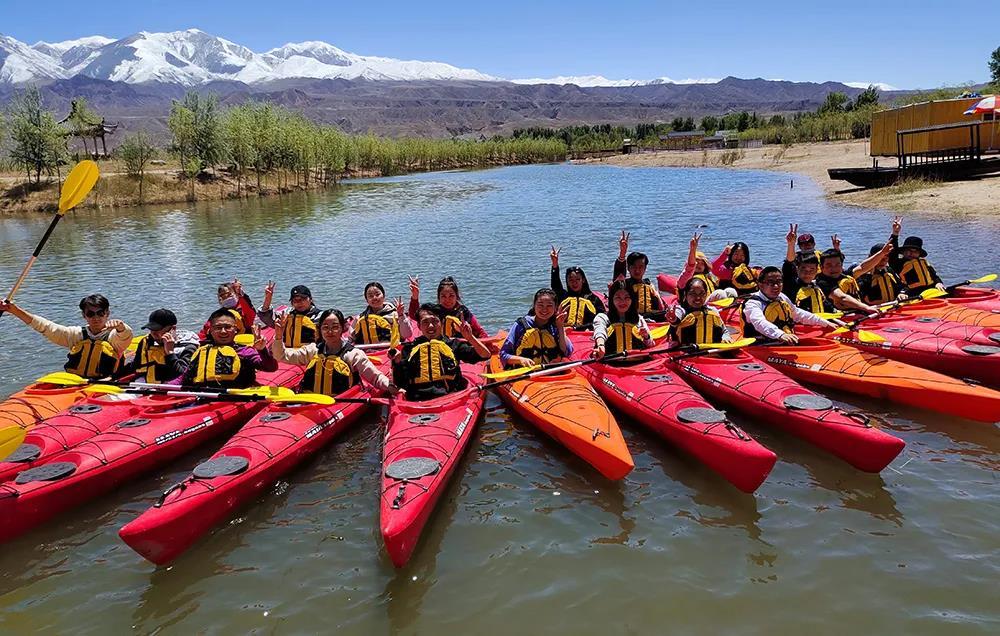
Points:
95	350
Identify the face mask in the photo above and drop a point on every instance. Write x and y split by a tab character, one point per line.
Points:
231	302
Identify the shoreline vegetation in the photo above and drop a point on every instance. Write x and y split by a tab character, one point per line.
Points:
259	149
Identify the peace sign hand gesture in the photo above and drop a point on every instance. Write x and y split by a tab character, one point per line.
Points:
400	309
897	225
554	255
793	232
258	340
694	239
268	294
623	244
414	287
835	241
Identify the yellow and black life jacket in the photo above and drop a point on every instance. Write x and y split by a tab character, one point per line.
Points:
329	374
645	295
699	326
879	287
710	281
452	321
215	364
581	311
432	362
538	344
916	274
372	328
743	279
623	336
811	298
300	329
149	356
777	312
92	358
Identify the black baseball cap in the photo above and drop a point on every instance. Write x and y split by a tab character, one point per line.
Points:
300	290
160	319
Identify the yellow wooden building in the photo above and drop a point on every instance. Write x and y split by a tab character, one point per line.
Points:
886	124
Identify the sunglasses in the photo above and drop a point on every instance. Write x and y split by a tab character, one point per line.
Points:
95	314
773	283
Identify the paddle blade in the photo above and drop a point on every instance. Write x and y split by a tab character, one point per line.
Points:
724	302
989	278
868	336
511	373
933	292
268	392
134	344
78	184
304	398
830	316
244	339
394	338
726	346
103	388
62	378
659	332
839	331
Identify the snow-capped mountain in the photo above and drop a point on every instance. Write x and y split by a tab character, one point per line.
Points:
194	57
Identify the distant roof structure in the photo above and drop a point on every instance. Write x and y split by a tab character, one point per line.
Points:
682	135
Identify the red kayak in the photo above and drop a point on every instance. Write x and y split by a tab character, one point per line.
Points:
270	445
424	442
77	424
762	392
654	396
128	449
980	298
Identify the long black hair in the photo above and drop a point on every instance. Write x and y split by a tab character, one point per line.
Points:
694	280
585	288
544	291
632	315
746	250
448	281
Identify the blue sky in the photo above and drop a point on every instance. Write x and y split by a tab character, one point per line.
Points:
906	44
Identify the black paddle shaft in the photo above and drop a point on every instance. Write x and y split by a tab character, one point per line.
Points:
34	255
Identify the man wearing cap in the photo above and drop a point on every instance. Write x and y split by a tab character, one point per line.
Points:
300	319
910	262
164	353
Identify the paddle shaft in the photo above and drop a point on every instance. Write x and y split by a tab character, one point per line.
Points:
34	257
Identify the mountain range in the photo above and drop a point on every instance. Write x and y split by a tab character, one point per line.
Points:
133	80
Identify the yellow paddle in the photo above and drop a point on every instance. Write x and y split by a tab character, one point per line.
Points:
305	398
723	302
266	392
78	184
988	278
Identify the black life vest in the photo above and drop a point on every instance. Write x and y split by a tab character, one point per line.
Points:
699	326
743	279
329	374
431	362
151	360
537	343
216	365
777	312
372	328
92	358
811	298
916	275
645	296
879	287
623	336
581	311
849	286
300	328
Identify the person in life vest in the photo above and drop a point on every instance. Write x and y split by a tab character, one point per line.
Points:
165	352
429	366
374	323
769	314
622	328
222	363
733	268
841	289
233	299
879	284
453	312
539	337
698	266
582	303
645	295
300	327
332	362
910	264
95	350
799	283
694	321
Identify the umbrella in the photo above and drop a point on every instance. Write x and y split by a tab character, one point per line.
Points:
985	105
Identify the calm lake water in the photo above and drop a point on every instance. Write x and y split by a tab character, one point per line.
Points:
528	539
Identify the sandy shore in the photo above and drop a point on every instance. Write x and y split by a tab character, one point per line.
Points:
813	160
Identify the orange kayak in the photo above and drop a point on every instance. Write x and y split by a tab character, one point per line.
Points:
827	363
565	407
31	405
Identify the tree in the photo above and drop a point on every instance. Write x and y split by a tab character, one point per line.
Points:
136	151
709	124
868	97
994	65
834	103
81	121
689	124
677	124
197	131
37	141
